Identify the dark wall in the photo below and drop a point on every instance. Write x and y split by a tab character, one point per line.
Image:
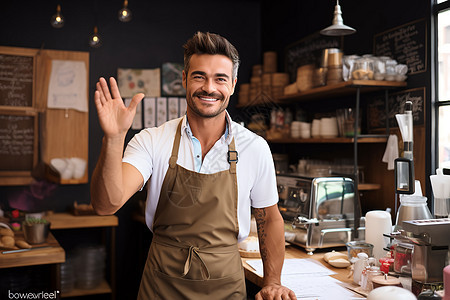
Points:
154	36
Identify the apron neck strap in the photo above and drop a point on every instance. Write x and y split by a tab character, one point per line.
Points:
176	144
232	153
232	156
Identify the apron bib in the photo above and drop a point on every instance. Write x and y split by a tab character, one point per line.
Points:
194	252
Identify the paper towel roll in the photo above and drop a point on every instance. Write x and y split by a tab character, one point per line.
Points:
378	222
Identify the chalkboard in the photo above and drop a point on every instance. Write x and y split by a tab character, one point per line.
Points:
406	43
16	80
376	108
17	142
308	51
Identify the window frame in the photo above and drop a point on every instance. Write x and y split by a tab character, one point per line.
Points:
436	104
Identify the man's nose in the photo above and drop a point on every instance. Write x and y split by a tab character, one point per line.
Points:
209	86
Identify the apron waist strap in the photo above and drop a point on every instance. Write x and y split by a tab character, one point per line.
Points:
187	265
195	251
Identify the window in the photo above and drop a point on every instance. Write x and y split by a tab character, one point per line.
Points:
442	14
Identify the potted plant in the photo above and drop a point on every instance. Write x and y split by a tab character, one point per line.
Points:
36	230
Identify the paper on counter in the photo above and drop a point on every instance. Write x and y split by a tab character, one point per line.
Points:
298	266
311	288
301	276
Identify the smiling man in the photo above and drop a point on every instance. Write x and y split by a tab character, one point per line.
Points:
204	173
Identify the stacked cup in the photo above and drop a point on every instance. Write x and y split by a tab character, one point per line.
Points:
300	130
315	128
305	130
295	129
328	127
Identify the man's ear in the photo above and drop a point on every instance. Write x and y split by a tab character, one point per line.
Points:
234	86
184	79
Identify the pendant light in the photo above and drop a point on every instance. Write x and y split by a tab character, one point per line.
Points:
57	19
125	13
94	40
338	28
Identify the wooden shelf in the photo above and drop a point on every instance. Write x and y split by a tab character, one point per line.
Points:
69	221
369	186
344	88
52	254
103	288
337	140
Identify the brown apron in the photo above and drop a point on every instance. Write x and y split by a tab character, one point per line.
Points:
194	252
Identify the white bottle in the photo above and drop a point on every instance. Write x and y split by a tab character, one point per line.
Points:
378	222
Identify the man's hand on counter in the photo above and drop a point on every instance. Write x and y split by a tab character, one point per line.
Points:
275	291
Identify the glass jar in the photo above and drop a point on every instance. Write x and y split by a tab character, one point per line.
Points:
379	68
348	62
390	69
402	258
367	275
363	69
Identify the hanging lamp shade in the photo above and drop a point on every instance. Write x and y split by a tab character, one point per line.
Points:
338	28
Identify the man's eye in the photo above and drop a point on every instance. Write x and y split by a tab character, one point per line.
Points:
222	79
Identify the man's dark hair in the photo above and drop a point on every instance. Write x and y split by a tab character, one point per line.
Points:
210	43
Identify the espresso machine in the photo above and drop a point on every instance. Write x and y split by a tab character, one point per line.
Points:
318	212
431	243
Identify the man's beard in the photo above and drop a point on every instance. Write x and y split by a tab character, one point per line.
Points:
195	109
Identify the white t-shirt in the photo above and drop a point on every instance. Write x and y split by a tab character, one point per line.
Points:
149	151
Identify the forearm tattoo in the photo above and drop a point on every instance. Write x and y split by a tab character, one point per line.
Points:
260	217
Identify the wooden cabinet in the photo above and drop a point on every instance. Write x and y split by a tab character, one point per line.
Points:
31	132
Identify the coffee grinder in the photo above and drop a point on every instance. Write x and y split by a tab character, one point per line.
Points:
404	166
431	244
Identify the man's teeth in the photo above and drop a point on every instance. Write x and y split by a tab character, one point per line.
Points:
208	99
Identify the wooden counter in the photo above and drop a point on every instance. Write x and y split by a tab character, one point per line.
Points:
54	254
297	252
69	221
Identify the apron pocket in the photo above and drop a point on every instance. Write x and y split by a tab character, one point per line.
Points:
230	287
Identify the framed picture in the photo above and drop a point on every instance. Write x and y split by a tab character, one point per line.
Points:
133	81
172	79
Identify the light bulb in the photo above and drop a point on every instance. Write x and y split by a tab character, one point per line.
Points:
94	40
57	19
125	13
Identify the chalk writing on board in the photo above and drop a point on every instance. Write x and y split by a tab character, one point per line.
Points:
308	51
396	105
16	80
406	44
16	142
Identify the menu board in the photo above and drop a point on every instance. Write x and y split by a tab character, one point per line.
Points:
16	80
17	142
396	102
406	43
308	51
